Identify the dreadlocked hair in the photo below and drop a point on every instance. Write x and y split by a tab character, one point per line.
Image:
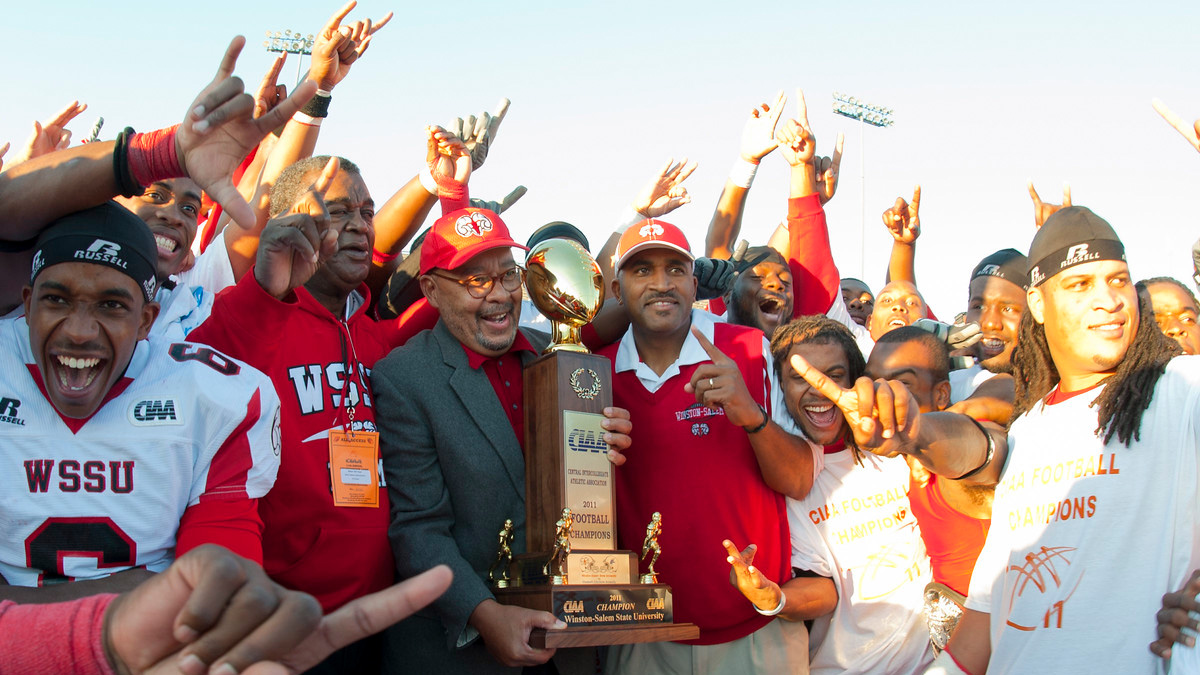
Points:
1127	392
820	329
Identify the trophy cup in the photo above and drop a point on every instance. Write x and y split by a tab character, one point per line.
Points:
573	568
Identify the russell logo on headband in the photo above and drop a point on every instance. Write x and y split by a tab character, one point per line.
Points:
38	262
103	251
990	270
1078	254
1036	276
651	230
473	225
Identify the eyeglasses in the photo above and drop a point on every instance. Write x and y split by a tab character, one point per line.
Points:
480	285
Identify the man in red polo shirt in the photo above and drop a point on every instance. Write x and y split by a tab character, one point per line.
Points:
708	456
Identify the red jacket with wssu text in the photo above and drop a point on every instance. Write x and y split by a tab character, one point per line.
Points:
334	553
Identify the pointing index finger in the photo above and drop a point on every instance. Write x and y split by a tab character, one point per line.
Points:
336	19
802	114
327	175
718	357
827	387
915	206
1034	195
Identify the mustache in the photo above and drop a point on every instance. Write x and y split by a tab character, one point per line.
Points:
670	295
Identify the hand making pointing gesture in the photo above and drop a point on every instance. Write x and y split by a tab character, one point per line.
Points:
292	245
719	385
1043	210
903	220
882	414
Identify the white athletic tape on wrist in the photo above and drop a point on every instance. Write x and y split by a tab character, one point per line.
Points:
742	173
427	182
307	120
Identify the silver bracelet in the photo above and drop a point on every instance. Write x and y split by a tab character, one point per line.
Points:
773	612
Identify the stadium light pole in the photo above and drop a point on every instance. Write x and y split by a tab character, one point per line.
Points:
876	116
291	42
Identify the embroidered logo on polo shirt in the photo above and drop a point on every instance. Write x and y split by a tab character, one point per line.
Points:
699	429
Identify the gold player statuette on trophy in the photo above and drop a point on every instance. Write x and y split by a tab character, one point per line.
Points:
650	547
556	566
498	572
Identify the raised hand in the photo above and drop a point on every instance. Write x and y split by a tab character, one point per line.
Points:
796	140
827	170
758	589
1190	132
719	385
220	130
883	415
503	205
269	92
292	246
903	219
479	133
337	47
51	135
758	135
665	191
447	157
1042	210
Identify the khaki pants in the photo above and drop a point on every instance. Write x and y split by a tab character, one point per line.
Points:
776	648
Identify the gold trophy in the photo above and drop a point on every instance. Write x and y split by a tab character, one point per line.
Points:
572	567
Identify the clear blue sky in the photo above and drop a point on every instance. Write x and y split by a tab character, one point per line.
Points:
986	96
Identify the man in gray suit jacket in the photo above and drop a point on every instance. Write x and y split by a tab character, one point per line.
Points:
450	417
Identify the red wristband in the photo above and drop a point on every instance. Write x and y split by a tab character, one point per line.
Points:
152	156
448	188
383	258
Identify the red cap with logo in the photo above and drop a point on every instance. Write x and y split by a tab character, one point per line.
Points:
651	234
461	235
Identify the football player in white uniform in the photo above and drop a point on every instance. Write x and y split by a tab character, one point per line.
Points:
121	452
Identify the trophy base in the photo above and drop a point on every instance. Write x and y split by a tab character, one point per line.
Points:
602	614
586	567
540	638
648	579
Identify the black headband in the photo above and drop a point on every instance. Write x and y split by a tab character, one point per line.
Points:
108	235
1008	264
1075	254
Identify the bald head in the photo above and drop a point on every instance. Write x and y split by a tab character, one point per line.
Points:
897	304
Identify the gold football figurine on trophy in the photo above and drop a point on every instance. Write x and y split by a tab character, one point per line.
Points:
556	566
565	284
650	547
498	572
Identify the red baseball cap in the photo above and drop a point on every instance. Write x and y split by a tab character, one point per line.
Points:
651	234
461	235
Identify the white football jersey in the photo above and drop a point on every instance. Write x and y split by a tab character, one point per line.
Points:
188	425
